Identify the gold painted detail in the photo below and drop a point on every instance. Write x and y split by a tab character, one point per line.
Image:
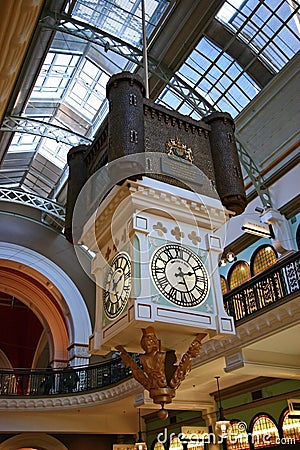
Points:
159	374
175	147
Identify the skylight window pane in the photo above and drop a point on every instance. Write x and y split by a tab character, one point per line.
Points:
121	18
54	76
262	26
79	92
207	48
200	63
93	103
170	99
224	61
225	82
189	73
55	152
205	85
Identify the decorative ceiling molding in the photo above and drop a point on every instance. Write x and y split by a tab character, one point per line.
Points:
126	389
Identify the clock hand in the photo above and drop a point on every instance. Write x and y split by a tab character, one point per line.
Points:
115	283
182	274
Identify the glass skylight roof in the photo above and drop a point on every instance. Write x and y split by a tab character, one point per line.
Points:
269	28
70	90
217	77
121	18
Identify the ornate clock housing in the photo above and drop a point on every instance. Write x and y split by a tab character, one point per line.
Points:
117	286
179	275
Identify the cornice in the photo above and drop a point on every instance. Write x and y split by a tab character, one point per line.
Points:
129	387
268	323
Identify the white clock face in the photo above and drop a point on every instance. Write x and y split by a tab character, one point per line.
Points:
117	286
179	275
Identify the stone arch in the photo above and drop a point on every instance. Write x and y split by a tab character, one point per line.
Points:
41	441
53	297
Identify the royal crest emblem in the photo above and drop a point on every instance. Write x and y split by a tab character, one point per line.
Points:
175	147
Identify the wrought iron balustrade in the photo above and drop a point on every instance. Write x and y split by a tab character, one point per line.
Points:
52	212
271	286
68	381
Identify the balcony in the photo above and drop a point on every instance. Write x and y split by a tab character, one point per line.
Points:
275	286
278	284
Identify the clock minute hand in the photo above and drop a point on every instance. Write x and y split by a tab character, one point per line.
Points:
182	274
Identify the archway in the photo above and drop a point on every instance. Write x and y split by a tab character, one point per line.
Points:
51	295
36	441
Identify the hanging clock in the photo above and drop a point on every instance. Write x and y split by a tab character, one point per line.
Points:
179	275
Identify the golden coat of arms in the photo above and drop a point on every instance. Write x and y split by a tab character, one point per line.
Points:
175	147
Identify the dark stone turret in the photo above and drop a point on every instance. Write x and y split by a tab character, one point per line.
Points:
77	178
228	174
126	118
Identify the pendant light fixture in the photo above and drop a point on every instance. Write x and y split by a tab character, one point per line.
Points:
140	444
222	424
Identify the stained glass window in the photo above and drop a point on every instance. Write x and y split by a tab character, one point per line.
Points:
237	436
223	284
262	259
239	273
264	432
290	428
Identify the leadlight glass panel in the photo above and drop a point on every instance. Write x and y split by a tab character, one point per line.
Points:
291	427
223	284
239	274
263	259
264	432
176	444
192	446
237	437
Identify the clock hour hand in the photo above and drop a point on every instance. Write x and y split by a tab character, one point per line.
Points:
116	282
182	275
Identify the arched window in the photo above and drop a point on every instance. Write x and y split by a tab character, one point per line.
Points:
264	432
290	428
238	274
223	284
263	258
176	444
237	436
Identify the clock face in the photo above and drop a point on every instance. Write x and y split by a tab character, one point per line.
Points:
117	286
180	275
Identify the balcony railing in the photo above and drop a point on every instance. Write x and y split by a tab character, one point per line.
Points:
63	381
266	289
